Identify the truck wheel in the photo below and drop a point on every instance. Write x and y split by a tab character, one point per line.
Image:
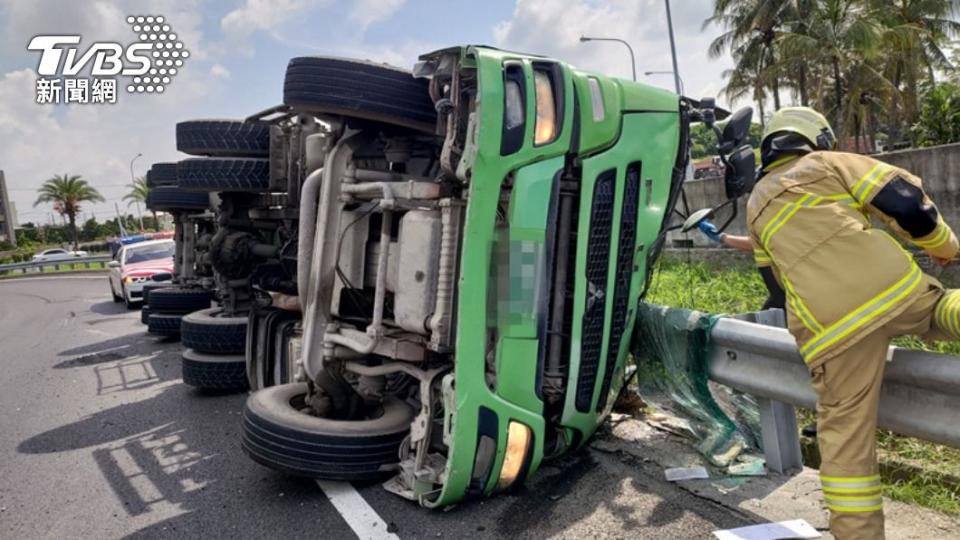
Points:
224	174
163	324
224	138
214	371
171	198
145	314
152	287
359	89
211	331
162	175
174	300
278	435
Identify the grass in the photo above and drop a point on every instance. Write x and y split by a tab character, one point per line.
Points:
913	471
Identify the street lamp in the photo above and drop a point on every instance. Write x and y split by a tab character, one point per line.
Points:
633	61
132	183
680	85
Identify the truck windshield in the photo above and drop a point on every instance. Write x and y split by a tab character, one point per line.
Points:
149	253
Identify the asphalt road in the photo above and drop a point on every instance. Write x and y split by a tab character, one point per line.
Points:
100	439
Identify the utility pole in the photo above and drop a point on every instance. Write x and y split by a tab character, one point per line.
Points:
673	49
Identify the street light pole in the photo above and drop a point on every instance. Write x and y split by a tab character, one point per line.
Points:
682	86
673	49
633	60
133	184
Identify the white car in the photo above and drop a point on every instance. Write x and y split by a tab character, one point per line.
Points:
57	254
135	265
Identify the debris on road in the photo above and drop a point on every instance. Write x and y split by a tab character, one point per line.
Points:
796	528
677	474
748	466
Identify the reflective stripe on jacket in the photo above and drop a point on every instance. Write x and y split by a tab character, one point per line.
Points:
809	218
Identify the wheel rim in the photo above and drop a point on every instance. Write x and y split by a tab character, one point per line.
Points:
299	403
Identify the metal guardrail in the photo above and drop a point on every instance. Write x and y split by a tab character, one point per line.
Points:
87	262
920	396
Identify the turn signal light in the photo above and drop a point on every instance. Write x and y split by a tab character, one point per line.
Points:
519	437
546	126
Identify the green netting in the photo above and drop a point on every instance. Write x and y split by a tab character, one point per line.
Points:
670	348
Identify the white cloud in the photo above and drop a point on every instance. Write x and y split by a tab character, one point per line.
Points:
262	15
554	27
97	141
367	12
219	71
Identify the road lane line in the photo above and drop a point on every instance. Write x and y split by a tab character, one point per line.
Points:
358	514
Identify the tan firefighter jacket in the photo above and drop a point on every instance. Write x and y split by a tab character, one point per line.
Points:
809	217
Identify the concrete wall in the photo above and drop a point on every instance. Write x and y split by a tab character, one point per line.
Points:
938	166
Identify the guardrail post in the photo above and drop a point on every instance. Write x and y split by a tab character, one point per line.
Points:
778	420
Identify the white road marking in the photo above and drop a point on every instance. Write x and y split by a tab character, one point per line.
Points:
359	515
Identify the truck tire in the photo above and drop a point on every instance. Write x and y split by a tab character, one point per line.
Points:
162	175
163	324
177	301
210	331
224	174
214	371
152	287
359	89
224	138
276	434
171	198
145	314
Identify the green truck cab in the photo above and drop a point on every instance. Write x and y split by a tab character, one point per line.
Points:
473	279
569	179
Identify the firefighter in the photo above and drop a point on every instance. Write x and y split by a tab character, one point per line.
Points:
850	288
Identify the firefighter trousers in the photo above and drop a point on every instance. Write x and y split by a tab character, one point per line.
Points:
848	398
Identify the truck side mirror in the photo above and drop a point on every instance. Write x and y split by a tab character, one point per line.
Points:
736	131
741	172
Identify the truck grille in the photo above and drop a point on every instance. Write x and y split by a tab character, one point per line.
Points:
621	293
597	264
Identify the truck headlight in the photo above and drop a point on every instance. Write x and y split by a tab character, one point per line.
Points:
546	126
519	438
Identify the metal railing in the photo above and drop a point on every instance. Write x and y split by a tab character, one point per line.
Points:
920	396
99	261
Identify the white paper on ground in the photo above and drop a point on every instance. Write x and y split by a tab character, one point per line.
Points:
685	473
796	528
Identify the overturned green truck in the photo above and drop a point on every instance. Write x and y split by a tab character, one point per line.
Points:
472	244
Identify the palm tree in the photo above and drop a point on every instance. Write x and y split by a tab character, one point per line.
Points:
66	192
916	31
750	31
138	194
843	38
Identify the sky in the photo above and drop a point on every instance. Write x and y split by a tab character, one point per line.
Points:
239	50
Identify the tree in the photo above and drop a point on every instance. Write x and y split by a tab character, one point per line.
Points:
751	28
138	194
66	192
914	39
863	63
939	120
843	38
